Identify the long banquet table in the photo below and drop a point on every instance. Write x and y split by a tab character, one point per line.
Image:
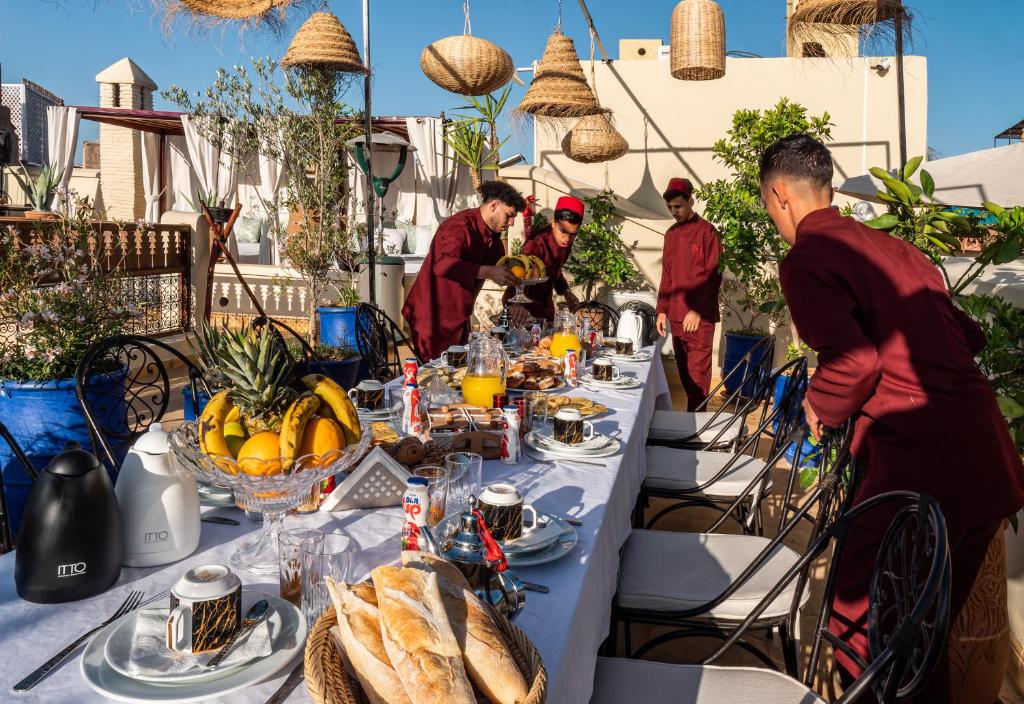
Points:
567	625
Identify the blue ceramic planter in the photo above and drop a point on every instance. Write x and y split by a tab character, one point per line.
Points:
345	372
338	326
44	416
736	346
809	455
186	394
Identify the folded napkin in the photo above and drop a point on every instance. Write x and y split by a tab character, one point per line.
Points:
151	656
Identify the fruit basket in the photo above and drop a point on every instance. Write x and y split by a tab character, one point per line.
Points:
529	269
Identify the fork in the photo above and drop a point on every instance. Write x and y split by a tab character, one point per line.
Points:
132	602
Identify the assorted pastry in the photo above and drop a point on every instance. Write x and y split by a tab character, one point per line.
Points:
535	374
585	406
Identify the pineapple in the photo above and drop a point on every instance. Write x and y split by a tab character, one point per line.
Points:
256	367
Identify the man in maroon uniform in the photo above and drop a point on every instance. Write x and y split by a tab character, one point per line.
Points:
897	356
688	294
463	253
552	245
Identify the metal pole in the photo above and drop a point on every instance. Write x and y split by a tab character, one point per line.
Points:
901	97
371	267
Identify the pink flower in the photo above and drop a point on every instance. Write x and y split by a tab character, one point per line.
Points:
28	318
49	316
79	319
30	353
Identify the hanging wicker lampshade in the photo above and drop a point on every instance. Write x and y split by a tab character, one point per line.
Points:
323	42
698	41
235	9
593	139
876	19
559	88
467	65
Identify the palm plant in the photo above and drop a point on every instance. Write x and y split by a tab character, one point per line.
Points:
473	138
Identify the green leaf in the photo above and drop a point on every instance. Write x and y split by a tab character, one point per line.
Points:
927	183
1008	251
808	477
883	222
772	306
994	208
898	189
1010	408
879	173
912	166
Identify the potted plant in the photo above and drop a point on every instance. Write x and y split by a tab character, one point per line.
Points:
338	321
40	190
58	300
751	245
339	362
599	255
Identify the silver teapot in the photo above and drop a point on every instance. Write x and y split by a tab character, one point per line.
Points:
500	589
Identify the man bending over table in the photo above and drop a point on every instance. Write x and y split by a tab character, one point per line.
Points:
897	356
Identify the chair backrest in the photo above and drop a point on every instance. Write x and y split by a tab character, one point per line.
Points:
379	339
909	597
6	537
288	337
123	388
602	317
649	315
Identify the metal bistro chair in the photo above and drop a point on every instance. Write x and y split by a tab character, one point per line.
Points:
289	338
907	624
716	479
601	317
6	537
650	318
379	339
725	428
143	386
704	583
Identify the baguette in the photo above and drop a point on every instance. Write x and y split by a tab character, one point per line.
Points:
418	637
359	635
490	664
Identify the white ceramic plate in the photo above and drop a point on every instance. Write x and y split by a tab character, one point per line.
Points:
101	677
623	382
118	648
567	540
561	386
544	453
641	356
538	539
545	439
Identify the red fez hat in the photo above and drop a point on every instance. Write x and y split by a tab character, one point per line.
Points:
680	185
570	203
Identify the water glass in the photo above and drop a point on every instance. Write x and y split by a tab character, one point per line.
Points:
289	546
465	477
536	410
437	491
331	558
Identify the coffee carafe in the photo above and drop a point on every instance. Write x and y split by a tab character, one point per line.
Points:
159	503
70	545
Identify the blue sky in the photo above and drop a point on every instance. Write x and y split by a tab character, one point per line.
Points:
975	57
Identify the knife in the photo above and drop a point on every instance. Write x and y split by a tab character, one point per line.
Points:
286	688
534	587
256	614
221	520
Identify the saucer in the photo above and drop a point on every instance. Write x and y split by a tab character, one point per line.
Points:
546	439
546	452
567	539
623	382
537	539
641	356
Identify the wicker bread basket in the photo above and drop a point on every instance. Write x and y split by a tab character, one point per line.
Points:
329	681
467	65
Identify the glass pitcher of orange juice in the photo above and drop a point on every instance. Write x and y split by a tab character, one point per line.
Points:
565	336
486	372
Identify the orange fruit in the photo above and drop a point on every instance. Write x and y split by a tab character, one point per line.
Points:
519	271
321	436
261	454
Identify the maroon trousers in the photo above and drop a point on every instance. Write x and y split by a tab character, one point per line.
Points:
693	360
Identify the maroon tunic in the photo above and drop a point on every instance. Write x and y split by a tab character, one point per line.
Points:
897	355
542	244
689	271
440	303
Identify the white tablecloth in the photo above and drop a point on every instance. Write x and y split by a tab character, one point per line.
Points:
567	625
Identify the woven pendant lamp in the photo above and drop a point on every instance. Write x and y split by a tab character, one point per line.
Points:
235	9
323	42
559	89
698	41
467	65
593	140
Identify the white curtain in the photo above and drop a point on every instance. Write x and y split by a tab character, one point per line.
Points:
213	170
435	182
62	138
400	201
272	180
151	175
179	174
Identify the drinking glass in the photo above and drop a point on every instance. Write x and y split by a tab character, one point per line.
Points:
536	410
465	476
437	490
332	557
290	544
393	399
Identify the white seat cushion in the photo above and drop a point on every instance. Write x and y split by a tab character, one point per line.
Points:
679	470
672	425
643	682
664	571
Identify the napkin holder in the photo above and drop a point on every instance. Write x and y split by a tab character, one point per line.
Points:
377	482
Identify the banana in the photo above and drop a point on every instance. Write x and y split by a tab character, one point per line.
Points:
211	425
234	415
293	424
340	404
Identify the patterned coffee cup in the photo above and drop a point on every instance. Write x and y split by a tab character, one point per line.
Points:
624	346
604	370
570	428
503	511
369	394
206	609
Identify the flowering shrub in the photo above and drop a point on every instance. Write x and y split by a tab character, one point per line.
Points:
56	299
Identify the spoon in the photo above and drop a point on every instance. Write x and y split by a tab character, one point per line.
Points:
256	614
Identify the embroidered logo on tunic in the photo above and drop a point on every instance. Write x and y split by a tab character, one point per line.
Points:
696	249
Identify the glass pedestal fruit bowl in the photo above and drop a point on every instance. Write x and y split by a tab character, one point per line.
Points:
521	296
271	487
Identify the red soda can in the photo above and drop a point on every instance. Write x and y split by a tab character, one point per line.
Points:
569	364
409	370
500	401
511	445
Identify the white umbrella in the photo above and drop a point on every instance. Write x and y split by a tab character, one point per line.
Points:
967	180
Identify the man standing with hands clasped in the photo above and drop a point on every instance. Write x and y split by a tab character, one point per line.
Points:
688	295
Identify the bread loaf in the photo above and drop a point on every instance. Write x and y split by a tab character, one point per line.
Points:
418	638
360	637
489	663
